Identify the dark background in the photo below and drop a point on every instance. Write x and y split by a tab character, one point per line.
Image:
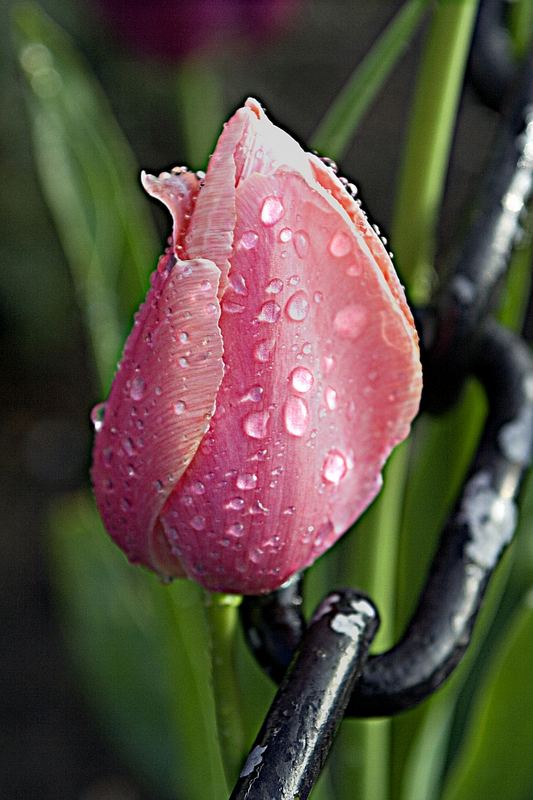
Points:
50	746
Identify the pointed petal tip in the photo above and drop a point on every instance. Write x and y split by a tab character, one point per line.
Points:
255	106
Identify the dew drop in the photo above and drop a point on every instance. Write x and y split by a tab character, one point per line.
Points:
340	245
128	446
197	522
301	379
246	481
272	211
294	280
97	416
183	337
329	361
295	416
205	286
238	283
249	240
253	395
263	351
137	388
235	504
285	235
197	487
334	467
275	286
232	308
297	306
350	321
236	529
257	507
318	297
158	486
270	312
179	407
211	309
301	243
183	362
331	398
353	270
255	424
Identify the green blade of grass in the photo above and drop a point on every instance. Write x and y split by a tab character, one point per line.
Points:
89	178
338	126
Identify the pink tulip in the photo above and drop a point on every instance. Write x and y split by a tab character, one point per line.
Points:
271	370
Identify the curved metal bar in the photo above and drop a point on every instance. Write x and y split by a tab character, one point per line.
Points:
467	298
492	67
294	741
273	626
470	548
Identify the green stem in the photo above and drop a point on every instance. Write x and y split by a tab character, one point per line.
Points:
429	138
223	620
521	26
340	122
200	109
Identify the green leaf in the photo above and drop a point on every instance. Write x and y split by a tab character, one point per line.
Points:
496	761
340	123
141	650
89	178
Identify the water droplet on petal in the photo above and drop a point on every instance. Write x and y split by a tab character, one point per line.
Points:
350	321
270	312
198	522
355	269
236	529
232	308
272	211
238	283
340	244
294	280
197	487
137	388
255	424
246	481
235	504
285	235
183	362
128	446
275	286
301	379
158	486
205	286
253	395
97	416
297	306
263	351
331	398
211	309
183	337
301	243
334	467
318	297
257	507
179	407
296	416
249	240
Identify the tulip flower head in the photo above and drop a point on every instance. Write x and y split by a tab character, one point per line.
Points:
270	372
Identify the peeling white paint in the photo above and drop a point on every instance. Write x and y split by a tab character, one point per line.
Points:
491	519
254	759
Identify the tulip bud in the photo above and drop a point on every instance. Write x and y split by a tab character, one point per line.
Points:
271	370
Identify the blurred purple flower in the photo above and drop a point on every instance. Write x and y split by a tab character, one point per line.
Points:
172	29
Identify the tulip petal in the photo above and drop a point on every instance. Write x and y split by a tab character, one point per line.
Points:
177	190
322	380
158	410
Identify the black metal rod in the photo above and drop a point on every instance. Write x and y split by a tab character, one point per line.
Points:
273	625
293	743
471	544
492	67
470	294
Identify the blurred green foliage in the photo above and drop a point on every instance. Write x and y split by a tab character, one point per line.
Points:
142	648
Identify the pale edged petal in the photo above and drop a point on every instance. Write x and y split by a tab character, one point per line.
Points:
177	190
322	380
158	410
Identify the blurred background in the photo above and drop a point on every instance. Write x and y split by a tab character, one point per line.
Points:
158	64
